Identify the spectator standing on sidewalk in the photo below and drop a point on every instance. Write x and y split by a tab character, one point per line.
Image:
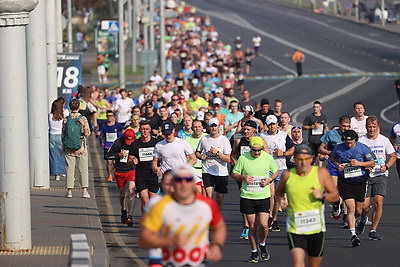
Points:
75	130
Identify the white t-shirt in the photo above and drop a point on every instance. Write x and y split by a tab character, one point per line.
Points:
172	154
55	127
256	41
358	126
213	164
276	141
123	106
380	146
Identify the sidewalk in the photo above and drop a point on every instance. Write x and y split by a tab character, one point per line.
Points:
54	219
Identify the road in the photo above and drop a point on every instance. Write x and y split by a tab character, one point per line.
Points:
345	63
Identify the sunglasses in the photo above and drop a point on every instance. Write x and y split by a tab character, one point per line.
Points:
180	179
110	116
256	150
304	160
296	127
174	99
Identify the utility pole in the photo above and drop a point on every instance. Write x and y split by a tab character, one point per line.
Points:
59	32
15	233
151	24
134	34
357	10
51	50
162	39
383	13
69	27
121	49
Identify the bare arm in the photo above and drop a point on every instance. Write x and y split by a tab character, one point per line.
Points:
332	194
280	190
322	149
192	159
154	166
218	239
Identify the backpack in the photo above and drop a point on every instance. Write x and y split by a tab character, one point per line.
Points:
73	133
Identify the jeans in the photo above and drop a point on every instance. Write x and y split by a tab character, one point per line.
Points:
57	161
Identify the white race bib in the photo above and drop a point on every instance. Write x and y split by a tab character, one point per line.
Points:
318	131
125	159
146	153
378	164
352	171
255	186
244	149
307	221
111	137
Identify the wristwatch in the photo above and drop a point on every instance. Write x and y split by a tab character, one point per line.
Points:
284	153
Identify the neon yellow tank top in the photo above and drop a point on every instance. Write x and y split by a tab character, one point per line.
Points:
305	212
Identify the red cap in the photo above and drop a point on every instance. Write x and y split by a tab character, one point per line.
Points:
129	136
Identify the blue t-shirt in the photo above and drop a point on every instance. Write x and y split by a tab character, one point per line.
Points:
360	152
332	138
110	133
231	119
182	134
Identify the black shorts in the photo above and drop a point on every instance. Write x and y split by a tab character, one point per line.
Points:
105	154
145	181
312	244
354	191
254	206
220	183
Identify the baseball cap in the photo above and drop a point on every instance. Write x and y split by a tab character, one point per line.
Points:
200	116
249	108
217	101
167	127
129	136
251	123
350	135
148	103
219	90
183	169
256	142
213	121
271	119
303	149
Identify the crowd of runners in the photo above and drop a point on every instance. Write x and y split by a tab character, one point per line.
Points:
177	144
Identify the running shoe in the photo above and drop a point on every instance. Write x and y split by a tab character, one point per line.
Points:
374	236
129	220
275	227
270	223
336	210
245	233
345	224
368	222
264	253
58	178
69	194
253	257
85	194
110	178
360	227
124	216
355	241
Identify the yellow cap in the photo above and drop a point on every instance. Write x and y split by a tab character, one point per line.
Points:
256	142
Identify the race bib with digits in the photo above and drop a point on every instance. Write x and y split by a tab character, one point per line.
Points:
352	171
307	221
146	153
111	137
255	186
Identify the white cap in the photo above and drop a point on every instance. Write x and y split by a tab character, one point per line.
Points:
271	119
200	115
217	101
184	169
219	90
213	121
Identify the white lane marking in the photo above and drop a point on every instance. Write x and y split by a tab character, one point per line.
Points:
114	229
272	88
237	20
296	112
276	63
383	116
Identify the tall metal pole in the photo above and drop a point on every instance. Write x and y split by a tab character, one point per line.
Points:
15	233
51	50
59	31
134	34
69	27
129	18
37	98
121	57
162	40
145	20
357	10
151	17
383	13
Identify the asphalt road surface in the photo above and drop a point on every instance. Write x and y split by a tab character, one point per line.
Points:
345	62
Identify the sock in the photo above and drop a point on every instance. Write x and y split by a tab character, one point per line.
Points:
262	244
372	231
353	231
253	250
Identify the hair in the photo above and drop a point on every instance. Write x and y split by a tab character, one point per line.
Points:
74	104
144	122
285	112
317	103
122	90
344	118
278	101
196	120
162	107
372	118
357	103
109	111
57	110
86	94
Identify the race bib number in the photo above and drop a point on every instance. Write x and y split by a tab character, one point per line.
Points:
146	153
351	172
244	149
307	221
221	129
378	164
125	159
111	137
255	186
179	83
318	131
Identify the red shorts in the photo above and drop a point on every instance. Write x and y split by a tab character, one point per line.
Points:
123	177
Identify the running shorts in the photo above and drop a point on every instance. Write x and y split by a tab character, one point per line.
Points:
312	244
220	183
254	206
144	182
377	186
123	177
354	191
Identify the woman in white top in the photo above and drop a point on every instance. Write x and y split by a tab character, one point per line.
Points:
56	116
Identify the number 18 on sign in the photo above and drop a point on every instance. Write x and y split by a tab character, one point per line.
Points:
69	74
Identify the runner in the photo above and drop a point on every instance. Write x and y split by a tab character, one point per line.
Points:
298	58
306	187
124	174
380	147
256	44
358	120
395	140
253	169
214	150
352	158
179	224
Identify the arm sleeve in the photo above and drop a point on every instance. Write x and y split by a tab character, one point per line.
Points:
113	152
188	148
389	149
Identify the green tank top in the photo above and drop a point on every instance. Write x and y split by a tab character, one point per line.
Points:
305	212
